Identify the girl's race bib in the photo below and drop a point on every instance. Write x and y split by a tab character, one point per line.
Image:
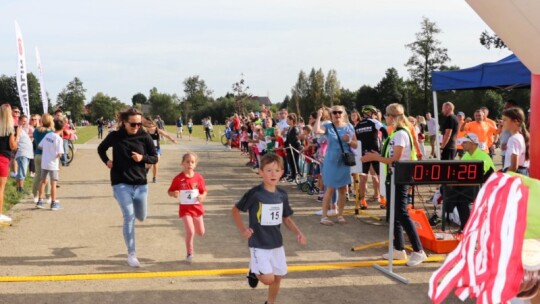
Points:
189	197
271	214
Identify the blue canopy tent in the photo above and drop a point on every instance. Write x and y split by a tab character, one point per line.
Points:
508	72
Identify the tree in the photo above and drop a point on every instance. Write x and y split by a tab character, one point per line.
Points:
165	105
347	98
390	88
34	95
299	93
241	94
139	98
197	95
367	95
8	90
332	87
102	105
316	97
427	56
72	98
491	40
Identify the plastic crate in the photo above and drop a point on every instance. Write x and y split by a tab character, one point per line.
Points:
427	237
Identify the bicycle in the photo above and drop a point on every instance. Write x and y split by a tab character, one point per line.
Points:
70	152
235	139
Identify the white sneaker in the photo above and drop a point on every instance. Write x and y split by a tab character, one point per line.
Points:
398	255
189	259
330	212
133	261
417	258
4	218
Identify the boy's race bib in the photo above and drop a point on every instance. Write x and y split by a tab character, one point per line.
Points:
189	197
271	214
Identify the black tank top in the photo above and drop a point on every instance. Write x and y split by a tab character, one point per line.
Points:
155	138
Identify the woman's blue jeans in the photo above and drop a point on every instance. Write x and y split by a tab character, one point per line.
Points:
132	201
66	149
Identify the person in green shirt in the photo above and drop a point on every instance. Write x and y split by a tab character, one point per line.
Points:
470	143
462	196
269	134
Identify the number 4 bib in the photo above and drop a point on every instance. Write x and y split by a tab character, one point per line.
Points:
271	214
189	197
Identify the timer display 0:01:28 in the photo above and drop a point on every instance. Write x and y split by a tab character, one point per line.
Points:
435	172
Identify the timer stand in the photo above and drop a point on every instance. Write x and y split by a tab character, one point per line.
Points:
425	173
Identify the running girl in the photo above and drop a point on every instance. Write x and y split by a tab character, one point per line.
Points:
190	189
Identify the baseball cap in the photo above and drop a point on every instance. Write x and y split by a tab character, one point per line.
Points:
469	137
461	113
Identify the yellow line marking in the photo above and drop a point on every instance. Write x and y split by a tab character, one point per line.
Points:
194	273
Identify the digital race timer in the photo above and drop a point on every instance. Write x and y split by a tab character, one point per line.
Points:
438	172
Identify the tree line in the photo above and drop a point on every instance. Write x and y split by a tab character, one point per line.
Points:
310	92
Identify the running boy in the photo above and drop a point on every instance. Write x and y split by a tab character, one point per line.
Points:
268	207
53	148
190	188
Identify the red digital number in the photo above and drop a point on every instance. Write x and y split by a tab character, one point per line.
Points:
418	172
436	172
471	173
462	172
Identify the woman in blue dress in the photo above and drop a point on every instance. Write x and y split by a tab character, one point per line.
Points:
335	174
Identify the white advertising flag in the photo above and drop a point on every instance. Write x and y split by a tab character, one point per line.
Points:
42	83
22	82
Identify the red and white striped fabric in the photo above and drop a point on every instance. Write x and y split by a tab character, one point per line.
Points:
487	262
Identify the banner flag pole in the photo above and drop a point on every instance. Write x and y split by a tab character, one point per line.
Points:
44	99
22	81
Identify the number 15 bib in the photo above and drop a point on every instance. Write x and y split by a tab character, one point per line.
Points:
189	197
271	214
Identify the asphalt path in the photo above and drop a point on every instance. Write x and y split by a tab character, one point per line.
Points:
84	241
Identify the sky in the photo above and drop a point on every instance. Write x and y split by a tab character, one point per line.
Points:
122	47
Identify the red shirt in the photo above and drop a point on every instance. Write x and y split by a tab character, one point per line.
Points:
182	182
65	132
281	144
236	123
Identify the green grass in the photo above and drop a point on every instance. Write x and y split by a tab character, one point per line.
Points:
84	134
198	131
11	196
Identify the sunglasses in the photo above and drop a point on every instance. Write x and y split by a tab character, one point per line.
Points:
135	124
337	112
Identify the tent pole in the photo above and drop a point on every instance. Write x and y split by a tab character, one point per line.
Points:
436	117
534	120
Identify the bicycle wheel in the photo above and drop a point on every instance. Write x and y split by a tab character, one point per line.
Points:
224	140
70	154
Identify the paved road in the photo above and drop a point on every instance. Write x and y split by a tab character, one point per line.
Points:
85	238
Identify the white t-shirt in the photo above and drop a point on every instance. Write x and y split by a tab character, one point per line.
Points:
401	139
52	145
432	126
282	124
515	145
